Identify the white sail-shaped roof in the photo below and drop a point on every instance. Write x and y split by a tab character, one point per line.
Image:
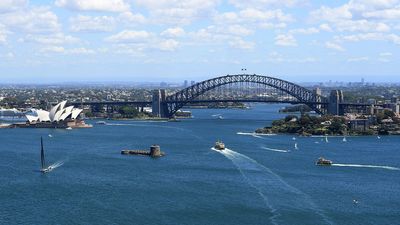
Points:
31	118
67	112
75	113
58	115
62	105
43	115
53	112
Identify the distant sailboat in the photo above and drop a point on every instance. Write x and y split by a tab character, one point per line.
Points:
44	169
344	139
295	146
326	139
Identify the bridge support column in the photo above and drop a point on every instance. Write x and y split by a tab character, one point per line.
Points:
335	98
159	105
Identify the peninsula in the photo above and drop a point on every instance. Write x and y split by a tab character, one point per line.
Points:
383	123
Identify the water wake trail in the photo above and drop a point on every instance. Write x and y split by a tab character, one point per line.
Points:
286	203
57	164
366	166
275	150
251	134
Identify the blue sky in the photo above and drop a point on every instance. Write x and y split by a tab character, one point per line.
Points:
172	40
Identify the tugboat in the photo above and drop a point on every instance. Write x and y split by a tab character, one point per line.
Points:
219	145
323	162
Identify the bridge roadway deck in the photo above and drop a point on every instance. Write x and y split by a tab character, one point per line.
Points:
141	103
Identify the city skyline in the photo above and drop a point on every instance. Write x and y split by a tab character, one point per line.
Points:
137	41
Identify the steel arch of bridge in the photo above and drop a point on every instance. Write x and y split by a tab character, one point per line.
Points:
178	100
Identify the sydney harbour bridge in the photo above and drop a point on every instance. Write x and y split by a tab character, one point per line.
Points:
240	88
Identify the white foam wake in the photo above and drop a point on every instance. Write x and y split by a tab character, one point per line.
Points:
57	164
253	133
366	166
285	202
275	150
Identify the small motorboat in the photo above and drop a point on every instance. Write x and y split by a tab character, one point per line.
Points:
219	145
323	162
101	123
68	128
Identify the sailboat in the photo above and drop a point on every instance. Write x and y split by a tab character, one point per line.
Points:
295	146
43	169
326	139
344	139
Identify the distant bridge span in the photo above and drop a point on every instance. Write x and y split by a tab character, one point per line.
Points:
176	101
167	105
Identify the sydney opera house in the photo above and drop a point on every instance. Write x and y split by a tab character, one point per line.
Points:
59	116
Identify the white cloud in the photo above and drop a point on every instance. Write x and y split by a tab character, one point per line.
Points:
52	39
285	40
385	54
129	36
253	18
387	14
238	30
168	45
52	49
275	57
334	46
264	3
180	12
83	23
370	5
394	38
311	30
325	27
262	15
94	5
34	20
12	5
361	26
358	59
130	19
80	51
332	14
242	44
173	32
62	50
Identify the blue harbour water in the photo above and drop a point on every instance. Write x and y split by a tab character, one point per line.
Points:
257	180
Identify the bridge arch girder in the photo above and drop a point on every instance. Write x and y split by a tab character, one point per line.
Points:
179	99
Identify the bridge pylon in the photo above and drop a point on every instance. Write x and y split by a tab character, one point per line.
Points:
159	105
335	98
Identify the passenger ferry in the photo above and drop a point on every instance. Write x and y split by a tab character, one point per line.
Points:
323	162
219	145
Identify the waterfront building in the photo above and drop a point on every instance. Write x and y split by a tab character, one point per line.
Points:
59	116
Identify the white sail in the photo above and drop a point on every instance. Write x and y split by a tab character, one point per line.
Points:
53	112
75	113
67	113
